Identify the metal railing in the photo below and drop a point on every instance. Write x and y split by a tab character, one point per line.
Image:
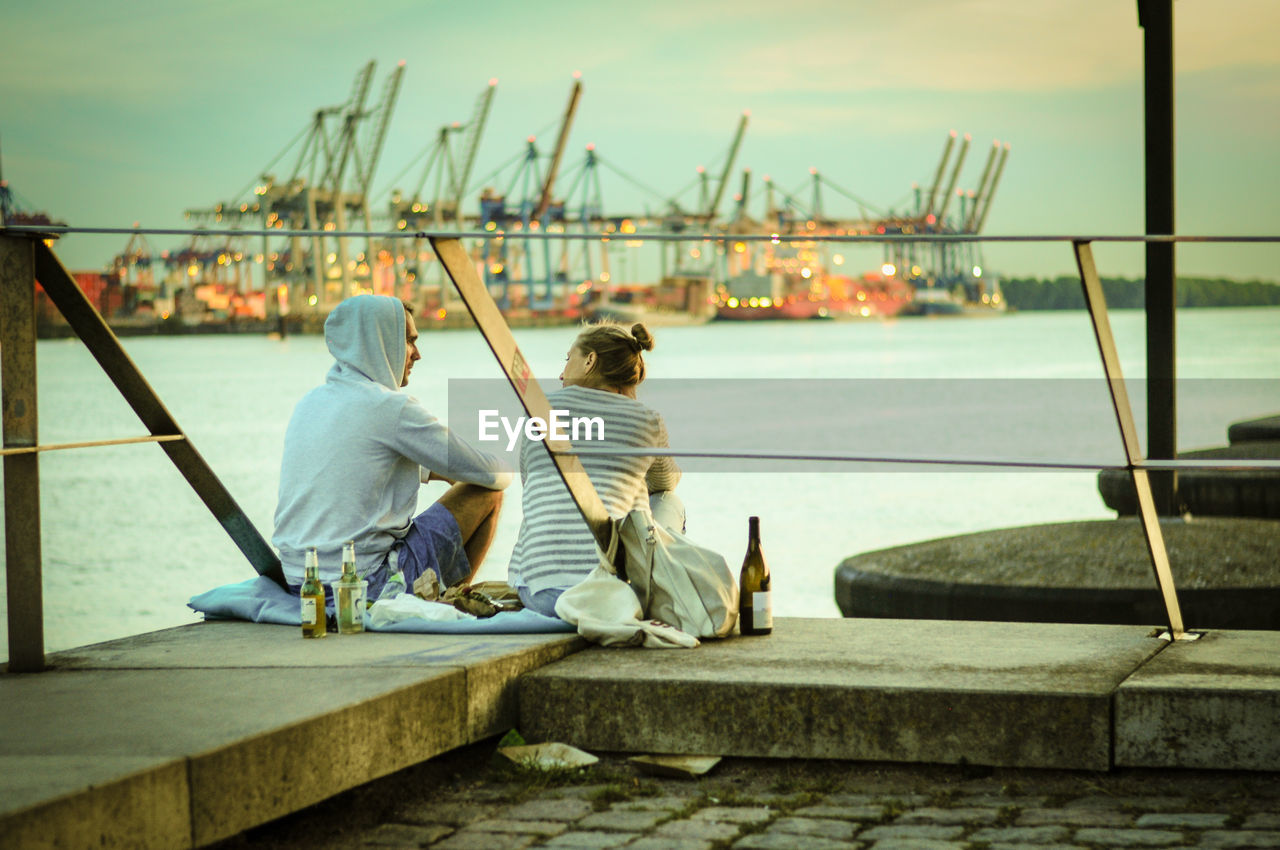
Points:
25	258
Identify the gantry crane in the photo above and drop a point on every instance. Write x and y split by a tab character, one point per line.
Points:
508	265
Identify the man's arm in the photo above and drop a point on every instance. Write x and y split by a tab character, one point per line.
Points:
443	454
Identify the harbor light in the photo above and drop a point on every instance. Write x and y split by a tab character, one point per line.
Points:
311	299
915	271
739	247
838	259
754	302
806	273
695	253
977	271
888	269
732	302
766	302
604	277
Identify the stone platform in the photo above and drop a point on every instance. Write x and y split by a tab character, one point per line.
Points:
187	736
182	737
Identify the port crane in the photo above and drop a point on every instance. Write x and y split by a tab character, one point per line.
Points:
509	265
941	264
447	170
314	197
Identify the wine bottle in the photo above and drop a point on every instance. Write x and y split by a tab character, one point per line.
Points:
348	594
755	602
312	596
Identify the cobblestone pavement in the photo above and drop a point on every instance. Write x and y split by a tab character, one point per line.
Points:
473	800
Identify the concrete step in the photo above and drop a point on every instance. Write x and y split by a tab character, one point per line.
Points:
1213	703
183	737
1007	694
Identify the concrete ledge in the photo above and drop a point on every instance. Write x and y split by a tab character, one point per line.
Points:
93	801
1212	703
209	729
1018	694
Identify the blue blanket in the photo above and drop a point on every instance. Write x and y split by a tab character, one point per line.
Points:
261	600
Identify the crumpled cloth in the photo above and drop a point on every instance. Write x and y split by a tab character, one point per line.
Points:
386	613
607	611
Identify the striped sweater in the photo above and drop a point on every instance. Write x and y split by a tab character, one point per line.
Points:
555	549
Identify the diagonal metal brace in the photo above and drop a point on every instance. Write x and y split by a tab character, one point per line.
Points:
497	334
1097	304
123	372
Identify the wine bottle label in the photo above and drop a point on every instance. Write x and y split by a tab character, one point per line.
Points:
762	610
308	611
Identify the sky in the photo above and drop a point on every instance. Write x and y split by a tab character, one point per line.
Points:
107	119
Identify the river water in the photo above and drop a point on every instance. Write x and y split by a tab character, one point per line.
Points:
126	542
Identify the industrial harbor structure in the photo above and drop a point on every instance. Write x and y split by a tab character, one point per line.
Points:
319	190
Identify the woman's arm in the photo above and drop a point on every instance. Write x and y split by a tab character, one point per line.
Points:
664	473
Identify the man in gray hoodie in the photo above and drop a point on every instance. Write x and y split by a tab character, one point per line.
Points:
356	451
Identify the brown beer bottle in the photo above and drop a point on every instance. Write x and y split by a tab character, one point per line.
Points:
755	602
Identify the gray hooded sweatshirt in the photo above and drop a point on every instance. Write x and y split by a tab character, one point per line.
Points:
357	448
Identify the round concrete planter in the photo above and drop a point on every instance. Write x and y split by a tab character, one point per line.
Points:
1210	492
1227	572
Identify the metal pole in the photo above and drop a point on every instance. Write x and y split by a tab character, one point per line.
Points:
1156	19
23	579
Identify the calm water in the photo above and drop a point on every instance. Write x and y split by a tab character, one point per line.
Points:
126	543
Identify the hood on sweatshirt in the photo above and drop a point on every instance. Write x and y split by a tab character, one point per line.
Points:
366	335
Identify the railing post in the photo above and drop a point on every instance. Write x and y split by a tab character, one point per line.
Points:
22	471
1147	514
1156	19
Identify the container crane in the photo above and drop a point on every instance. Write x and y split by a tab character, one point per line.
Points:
475	129
927	215
544	201
367	162
985	201
332	182
709	213
951	184
448	173
507	266
971	220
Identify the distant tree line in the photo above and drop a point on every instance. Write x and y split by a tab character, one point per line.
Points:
1064	293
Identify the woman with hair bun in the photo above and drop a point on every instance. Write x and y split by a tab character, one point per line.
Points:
555	549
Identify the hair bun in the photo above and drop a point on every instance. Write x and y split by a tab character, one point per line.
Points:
643	338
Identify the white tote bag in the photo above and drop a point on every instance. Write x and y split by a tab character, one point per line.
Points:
606	611
676	580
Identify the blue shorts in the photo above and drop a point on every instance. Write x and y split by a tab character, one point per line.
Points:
433	542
